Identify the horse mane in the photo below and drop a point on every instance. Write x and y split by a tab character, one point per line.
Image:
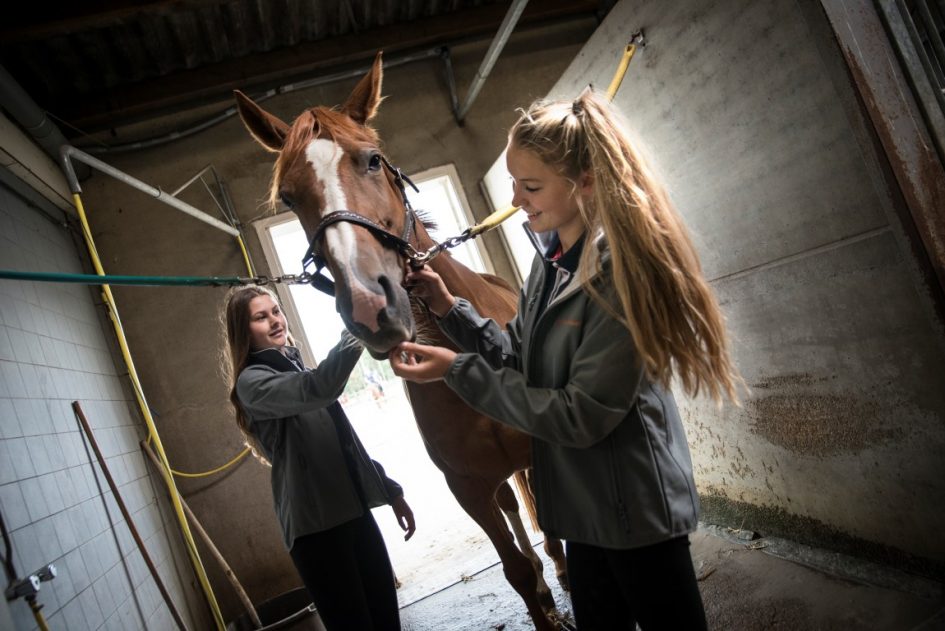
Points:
426	218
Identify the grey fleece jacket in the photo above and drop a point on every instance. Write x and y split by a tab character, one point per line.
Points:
610	457
321	474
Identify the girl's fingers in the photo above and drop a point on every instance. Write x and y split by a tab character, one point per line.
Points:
422	275
420	363
412	349
402	360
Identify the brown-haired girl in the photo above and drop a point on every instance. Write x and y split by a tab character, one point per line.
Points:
614	309
323	482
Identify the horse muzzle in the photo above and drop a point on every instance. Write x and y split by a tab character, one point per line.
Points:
377	312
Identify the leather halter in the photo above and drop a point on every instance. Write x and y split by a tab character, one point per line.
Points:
402	243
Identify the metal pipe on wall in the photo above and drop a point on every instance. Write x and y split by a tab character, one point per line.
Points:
495	48
283	89
32	118
69	153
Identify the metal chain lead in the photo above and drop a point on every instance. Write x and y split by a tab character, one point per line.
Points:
417	259
286	279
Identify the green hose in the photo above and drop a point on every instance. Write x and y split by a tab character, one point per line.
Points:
95	279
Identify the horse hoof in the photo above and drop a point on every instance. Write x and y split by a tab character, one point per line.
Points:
563	621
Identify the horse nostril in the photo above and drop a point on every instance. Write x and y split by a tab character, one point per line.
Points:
388	288
388	314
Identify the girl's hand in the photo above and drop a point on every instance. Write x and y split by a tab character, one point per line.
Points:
427	285
419	363
404	516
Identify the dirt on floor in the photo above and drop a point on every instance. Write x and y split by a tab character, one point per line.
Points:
744	586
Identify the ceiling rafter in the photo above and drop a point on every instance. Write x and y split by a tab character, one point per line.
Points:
221	45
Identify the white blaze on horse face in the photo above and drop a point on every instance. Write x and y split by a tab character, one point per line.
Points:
339	240
324	156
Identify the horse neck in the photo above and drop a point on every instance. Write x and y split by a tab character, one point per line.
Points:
489	299
458	278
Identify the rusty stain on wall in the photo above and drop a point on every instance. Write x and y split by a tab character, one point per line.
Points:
789	412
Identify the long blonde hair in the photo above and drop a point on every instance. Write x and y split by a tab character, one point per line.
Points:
665	302
236	320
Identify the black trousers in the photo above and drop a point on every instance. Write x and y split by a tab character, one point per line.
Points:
348	573
654	586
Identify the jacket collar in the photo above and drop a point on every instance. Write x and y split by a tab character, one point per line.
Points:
290	362
600	257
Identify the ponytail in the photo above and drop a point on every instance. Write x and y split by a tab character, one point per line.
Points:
664	301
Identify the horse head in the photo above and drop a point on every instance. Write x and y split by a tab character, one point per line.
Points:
330	164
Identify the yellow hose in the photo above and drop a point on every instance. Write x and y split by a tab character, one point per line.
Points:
38	616
621	71
146	412
242	454
204	474
249	265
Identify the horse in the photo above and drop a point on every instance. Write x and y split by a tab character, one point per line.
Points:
350	200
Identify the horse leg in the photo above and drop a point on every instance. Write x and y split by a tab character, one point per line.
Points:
505	498
555	552
553	547
477	497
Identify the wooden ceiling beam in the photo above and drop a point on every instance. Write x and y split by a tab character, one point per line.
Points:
131	103
33	22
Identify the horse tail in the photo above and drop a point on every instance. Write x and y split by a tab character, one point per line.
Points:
523	481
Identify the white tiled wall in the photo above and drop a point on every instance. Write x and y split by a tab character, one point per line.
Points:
56	503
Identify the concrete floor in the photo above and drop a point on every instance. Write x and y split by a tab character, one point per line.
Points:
746	585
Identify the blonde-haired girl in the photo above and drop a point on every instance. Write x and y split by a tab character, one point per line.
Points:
614	308
323	481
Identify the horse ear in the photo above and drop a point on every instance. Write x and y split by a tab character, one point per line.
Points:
268	130
362	105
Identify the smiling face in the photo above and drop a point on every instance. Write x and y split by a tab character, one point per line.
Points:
549	198
267	324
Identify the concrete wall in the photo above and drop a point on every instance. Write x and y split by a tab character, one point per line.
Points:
174	333
747	112
55	348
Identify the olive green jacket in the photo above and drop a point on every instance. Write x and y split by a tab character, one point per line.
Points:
610	457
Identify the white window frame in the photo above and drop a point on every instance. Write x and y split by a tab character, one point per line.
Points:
466	219
497	189
262	227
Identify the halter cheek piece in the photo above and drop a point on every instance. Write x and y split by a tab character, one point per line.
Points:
402	244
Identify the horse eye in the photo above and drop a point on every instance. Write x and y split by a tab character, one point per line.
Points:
374	164
285	199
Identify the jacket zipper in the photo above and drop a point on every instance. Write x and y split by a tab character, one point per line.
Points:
622	513
667	515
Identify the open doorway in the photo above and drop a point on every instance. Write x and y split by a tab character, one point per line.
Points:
448	545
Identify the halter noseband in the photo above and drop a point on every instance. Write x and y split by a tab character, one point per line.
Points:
401	243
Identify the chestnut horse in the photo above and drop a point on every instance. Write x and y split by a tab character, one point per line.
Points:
330	164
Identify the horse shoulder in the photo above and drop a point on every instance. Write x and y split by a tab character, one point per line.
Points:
500	302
